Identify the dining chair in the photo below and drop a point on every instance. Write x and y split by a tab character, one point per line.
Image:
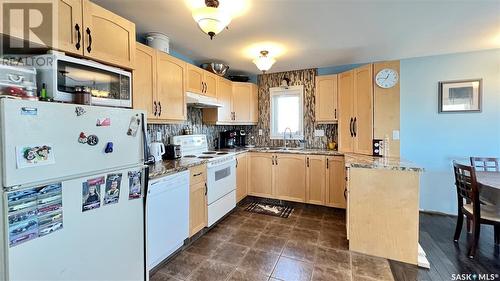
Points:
470	206
485	164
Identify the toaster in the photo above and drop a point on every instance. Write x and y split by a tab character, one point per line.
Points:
172	151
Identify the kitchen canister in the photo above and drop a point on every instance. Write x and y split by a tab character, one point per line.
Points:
159	41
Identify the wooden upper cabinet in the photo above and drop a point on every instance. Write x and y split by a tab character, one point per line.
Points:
224	97
363	109
260	174
254	104
242	96
316	179
336	183
326	99
210	81
194	79
144	80
290	177
70	27
345	111
171	74
108	37
241	176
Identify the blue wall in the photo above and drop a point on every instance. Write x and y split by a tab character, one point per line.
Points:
433	140
181	56
336	69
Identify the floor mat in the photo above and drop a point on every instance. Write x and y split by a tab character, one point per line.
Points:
270	209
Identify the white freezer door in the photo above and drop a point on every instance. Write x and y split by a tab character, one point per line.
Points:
31	123
105	243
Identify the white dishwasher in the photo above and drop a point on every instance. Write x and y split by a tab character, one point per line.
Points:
167	216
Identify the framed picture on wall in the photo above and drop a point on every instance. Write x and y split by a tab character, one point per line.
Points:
460	96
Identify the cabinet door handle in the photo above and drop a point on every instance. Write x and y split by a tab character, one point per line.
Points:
345	193
155	108
355	127
89	48
206	189
198	174
78	37
272	160
327	160
350	128
159	108
307	161
236	162
234	114
276	157
335	113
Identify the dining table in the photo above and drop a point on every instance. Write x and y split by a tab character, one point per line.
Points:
489	184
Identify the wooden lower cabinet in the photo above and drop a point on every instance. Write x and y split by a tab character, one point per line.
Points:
260	174
290	177
198	213
336	182
313	179
241	176
316	179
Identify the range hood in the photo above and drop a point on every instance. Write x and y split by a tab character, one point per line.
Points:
201	101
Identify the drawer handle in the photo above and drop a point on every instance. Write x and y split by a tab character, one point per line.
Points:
198	174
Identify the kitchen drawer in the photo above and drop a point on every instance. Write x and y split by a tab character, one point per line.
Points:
198	174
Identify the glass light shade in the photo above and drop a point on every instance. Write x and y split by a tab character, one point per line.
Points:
264	63
211	20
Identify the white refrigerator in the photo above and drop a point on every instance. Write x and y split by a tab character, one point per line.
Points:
73	182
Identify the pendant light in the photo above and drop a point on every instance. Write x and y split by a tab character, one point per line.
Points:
264	62
211	19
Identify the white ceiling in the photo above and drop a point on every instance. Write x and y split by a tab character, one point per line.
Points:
320	33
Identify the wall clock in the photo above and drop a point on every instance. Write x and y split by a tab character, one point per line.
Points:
387	78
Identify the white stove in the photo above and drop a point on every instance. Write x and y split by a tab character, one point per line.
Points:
221	174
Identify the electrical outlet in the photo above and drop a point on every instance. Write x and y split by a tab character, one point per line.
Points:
260	132
319	133
395	135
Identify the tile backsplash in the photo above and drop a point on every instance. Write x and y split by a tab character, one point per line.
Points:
307	78
299	77
194	121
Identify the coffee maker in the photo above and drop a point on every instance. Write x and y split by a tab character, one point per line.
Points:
232	139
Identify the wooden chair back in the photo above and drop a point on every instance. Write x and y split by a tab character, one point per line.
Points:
486	164
467	187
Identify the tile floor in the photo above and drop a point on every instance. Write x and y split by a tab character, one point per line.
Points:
309	245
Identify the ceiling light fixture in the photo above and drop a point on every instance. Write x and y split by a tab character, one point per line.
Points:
264	62
211	19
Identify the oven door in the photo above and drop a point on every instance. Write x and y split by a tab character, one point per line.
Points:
221	180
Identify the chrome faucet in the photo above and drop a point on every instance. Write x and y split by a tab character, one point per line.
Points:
284	136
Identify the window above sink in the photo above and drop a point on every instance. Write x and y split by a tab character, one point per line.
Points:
287	112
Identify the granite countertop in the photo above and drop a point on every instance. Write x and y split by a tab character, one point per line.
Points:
306	151
167	167
370	162
352	160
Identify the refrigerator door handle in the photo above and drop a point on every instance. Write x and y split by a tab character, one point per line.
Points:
145	142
